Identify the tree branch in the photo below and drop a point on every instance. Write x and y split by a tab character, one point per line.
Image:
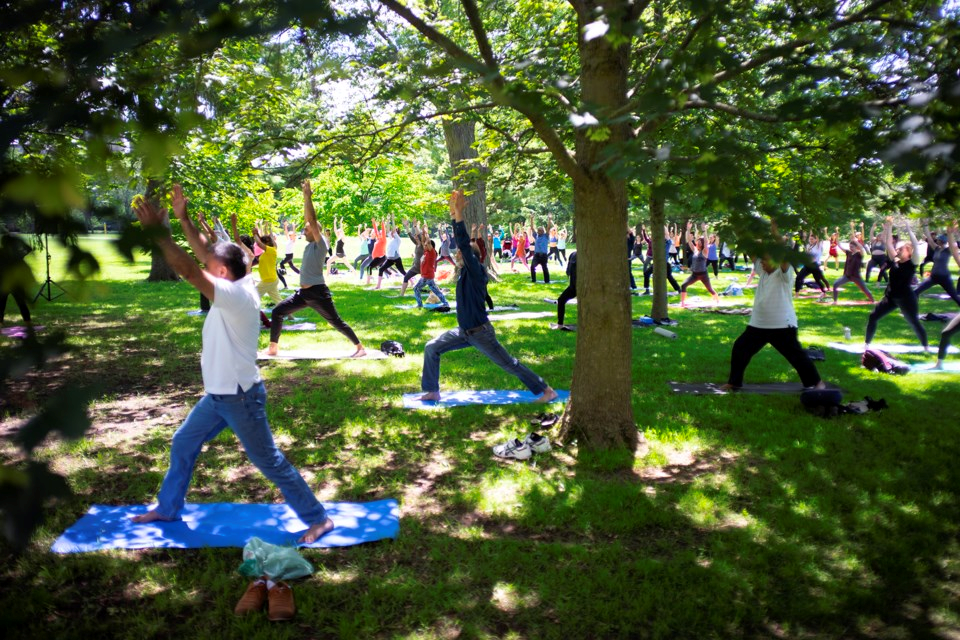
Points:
736	111
480	34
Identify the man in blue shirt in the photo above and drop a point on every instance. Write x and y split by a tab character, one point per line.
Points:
474	329
540	252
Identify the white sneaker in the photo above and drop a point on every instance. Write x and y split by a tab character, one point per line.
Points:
537	443
513	449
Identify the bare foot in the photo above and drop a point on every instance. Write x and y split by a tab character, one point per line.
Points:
359	353
316	531
433	396
938	366
729	387
272	349
549	395
150	516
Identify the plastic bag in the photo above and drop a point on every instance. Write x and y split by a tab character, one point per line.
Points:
277	563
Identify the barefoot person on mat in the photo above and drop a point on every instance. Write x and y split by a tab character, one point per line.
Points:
313	292
235	394
772	321
474	329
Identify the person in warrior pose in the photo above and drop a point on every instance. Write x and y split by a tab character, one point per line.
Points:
940	274
473	327
814	252
313	291
954	325
698	266
899	293
851	267
291	244
235	395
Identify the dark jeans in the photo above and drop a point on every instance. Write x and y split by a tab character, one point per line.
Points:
908	309
648	271
816	272
783	340
942	280
568	294
288	259
21	301
319	299
539	259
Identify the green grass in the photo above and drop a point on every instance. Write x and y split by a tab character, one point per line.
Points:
744	516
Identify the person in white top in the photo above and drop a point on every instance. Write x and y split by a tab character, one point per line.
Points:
773	321
235	395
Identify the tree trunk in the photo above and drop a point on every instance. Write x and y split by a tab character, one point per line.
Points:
658	238
160	271
600	412
468	174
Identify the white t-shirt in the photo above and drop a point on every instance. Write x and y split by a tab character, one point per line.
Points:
773	300
230	336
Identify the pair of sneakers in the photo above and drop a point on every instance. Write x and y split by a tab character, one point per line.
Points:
278	598
517	449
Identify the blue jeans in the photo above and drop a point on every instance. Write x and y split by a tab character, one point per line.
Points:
484	339
428	282
245	413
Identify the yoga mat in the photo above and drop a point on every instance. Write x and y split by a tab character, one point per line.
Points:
936	296
196	312
713	388
552	301
552	281
563	327
464	398
948	367
727	311
322	354
698	302
18	331
521	315
223	524
299	326
857	347
506	307
573	327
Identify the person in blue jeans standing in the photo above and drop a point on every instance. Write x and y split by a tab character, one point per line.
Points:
473	328
235	394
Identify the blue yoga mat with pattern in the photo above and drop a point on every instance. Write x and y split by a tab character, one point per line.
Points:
224	524
464	398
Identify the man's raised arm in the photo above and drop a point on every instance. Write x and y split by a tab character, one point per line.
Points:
198	242
309	213
181	261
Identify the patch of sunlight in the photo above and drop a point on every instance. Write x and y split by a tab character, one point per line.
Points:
342	576
802	508
910	508
508	599
701	508
470	533
504	494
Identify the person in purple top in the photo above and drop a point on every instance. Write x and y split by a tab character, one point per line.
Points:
473	327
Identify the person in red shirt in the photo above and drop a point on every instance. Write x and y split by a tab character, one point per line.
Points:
379	254
428	270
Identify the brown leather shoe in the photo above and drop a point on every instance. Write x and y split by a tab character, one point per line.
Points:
280	602
253	599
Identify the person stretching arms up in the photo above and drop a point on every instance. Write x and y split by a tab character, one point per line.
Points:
313	291
899	293
954	325
235	394
473	328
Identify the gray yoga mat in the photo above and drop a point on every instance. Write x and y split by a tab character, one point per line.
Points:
857	347
714	388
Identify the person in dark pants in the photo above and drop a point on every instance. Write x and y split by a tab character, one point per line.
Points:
899	293
954	325
313	291
570	292
940	274
773	321
540	251
473	327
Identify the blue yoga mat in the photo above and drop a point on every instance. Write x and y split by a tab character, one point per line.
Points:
464	398
224	524
948	367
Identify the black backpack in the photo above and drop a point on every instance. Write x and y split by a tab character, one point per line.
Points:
392	348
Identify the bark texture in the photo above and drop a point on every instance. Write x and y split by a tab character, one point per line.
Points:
468	173
657	220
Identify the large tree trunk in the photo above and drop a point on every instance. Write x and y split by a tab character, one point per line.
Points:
160	271
468	173
600	412
658	238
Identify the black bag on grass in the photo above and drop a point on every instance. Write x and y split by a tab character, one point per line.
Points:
392	348
825	403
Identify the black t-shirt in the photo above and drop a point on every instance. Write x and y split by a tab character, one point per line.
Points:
901	278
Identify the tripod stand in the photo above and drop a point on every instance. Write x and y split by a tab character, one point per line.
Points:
48	283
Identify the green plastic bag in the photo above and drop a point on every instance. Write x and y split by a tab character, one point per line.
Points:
277	563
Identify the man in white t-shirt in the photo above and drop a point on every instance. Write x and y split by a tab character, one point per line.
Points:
773	321
235	395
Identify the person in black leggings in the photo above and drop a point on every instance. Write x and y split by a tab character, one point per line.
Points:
954	325
814	253
851	267
940	274
878	253
899	293
570	292
648	271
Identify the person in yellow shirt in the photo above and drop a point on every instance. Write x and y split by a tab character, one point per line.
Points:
268	265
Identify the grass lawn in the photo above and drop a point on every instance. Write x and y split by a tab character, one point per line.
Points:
744	515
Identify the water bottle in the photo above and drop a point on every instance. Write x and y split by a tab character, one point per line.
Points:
665	333
846	333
